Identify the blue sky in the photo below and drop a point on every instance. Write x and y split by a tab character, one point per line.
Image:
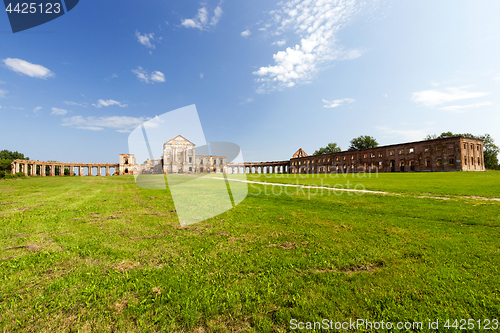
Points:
270	76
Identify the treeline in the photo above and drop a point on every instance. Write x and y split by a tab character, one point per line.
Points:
6	158
491	150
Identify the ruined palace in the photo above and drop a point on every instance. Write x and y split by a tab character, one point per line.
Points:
179	156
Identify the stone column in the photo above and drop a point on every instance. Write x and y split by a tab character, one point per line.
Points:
52	170
61	170
25	169
16	167
89	168
42	170
80	170
107	170
71	170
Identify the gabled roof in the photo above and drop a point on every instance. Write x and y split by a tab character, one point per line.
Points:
172	141
300	153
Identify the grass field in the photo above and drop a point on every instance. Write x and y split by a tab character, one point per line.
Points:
101	254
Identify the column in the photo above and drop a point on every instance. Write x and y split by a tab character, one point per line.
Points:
80	170
89	168
61	170
52	170
25	169
42	170
107	170
17	167
71	170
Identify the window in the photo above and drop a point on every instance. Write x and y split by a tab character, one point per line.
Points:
438	147
465	146
451	146
401	151
168	151
452	161
427	149
215	162
380	154
221	161
380	164
372	155
337	159
190	169
365	155
352	157
190	151
428	162
391	153
179	150
190	161
412	150
373	164
472	147
477	147
478	161
344	158
201	162
465	161
201	169
439	162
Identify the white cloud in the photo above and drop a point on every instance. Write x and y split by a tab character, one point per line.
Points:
280	42
146	39
337	102
38	108
463	108
437	97
3	93
108	102
84	105
496	78
122	124
201	75
248	100
111	77
16	108
58	112
316	23
27	68
202	21
406	135
246	33
154	77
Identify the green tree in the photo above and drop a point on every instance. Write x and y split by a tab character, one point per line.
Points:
330	148
490	149
12	155
363	142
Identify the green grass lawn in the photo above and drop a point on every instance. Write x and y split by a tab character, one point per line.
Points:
101	254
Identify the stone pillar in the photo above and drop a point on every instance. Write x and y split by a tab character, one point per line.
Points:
25	169
61	170
71	170
80	170
89	168
107	170
52	170
16	167
42	170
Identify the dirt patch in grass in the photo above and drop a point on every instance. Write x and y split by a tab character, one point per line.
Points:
285	246
20	234
112	217
126	265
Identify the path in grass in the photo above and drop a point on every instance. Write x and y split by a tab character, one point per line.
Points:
352	190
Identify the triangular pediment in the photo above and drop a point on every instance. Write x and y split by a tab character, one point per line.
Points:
179	139
300	153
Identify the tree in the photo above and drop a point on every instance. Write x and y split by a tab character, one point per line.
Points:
12	155
363	142
330	148
490	150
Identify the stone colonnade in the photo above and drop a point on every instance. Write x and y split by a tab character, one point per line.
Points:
261	167
29	168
